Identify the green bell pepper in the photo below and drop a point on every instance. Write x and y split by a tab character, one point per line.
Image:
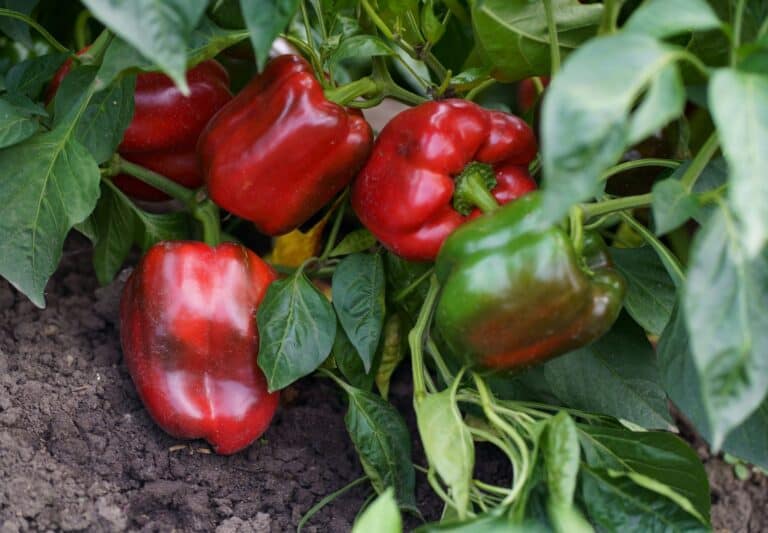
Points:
513	294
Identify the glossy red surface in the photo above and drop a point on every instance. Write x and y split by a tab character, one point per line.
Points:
188	332
404	193
279	151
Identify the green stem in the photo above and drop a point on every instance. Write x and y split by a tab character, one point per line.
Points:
328	499
699	163
472	189
472	94
410	288
611	10
207	213
10	13
95	53
737	21
346	93
576	217
554	43
693	60
667	258
437	357
329	244
639	163
318	7
416	339
616	204
82	32
158	181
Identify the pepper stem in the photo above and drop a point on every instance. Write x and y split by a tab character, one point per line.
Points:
472	189
207	213
346	93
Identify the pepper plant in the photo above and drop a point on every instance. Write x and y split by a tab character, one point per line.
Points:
555	326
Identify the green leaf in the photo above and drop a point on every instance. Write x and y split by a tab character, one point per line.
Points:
493	521
265	21
562	458
101	126
156	227
361	46
356	241
617	376
739	104
666	18
586	126
725	310
160	30
16	124
17	30
672	205
349	362
297	328
617	503
118	58
392	353
115	226
514	37
431	26
29	76
656	455
382	516
49	183
650	291
681	380
448	445
208	40
383	444
358	297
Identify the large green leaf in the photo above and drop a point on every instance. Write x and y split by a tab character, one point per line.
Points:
665	18
101	126
650	291
514	36
349	362
617	376
383	444
749	440
739	104
672	205
265	21
17	30
115	226
616	503
726	311
297	327
382	516
48	184
159	29
29	76
358	297
591	113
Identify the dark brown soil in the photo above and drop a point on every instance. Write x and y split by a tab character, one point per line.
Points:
78	451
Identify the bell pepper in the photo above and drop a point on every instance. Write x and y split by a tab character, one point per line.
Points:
404	193
189	337
280	151
513	295
163	133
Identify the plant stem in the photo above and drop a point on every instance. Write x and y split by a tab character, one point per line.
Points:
341	204
617	204
158	181
699	163
10	13
82	32
472	94
328	499
346	93
670	261
737	22
410	288
611	10
554	43
639	163
416	339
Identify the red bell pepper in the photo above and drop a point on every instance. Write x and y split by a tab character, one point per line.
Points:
404	193
188	332
166	125
279	151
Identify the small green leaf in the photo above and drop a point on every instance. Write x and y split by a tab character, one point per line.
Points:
382	516
265	21
672	205
361	46
159	30
562	456
356	241
115	226
358	297
383	444
651	292
29	76
349	362
297	328
448	445
739	104
666	18
725	305
431	26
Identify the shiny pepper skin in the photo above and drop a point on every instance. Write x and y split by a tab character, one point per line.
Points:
188	332
514	295
403	194
279	151
163	133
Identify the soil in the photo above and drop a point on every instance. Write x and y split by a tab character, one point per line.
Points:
78	451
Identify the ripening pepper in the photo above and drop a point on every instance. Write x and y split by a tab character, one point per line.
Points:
279	151
189	337
163	133
513	295
406	196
